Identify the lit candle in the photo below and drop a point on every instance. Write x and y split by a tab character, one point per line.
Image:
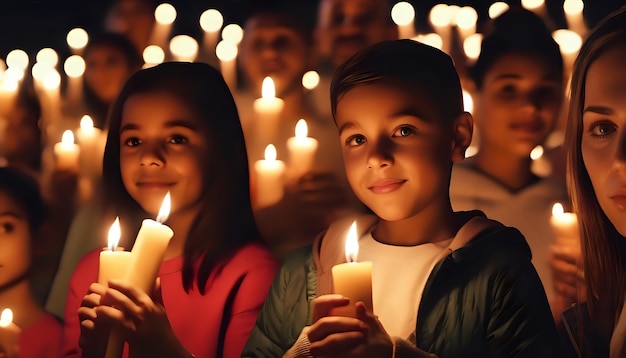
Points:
302	150
353	279
184	48
403	15
267	109
9	331
573	10
149	249
113	259
441	17
164	16
564	225
211	22
74	67
269	174
67	152
91	141
226	52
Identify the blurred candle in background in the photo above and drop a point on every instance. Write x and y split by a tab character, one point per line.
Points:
269	178
403	15
302	150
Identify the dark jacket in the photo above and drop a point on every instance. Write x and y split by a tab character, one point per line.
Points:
482	299
578	337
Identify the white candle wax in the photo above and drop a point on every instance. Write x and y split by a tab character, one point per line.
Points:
302	150
67	152
91	141
267	109
269	175
114	260
352	279
564	225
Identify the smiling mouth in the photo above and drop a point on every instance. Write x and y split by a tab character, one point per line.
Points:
386	186
620	201
154	185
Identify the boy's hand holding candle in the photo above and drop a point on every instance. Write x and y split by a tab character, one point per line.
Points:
353	279
9	334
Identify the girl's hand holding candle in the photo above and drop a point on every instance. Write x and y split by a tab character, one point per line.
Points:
67	152
352	280
302	150
9	334
114	261
269	174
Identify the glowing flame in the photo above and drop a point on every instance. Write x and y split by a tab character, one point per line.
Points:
301	129
352	244
557	209
270	152
268	90
164	212
114	234
86	123
6	318
68	137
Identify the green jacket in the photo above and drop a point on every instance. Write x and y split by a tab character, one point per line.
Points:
482	299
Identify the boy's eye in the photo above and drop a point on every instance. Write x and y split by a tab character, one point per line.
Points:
355	140
508	91
132	142
601	129
404	131
178	139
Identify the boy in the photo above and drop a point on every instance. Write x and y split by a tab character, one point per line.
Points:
445	283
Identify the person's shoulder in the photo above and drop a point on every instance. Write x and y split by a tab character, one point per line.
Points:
252	255
490	238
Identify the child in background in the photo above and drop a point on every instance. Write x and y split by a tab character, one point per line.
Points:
22	213
595	143
518	80
467	287
175	128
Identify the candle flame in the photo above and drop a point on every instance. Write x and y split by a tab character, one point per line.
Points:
301	129
270	152
68	137
164	212
6	318
557	209
268	90
86	123
352	244
114	234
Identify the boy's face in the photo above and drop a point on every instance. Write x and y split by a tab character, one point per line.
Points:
518	104
397	153
276	51
14	241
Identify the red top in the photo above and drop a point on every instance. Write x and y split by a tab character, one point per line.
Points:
228	309
41	339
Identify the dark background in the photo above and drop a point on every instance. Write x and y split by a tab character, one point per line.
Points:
34	24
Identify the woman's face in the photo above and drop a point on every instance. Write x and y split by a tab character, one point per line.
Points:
518	104
603	142
106	71
15	248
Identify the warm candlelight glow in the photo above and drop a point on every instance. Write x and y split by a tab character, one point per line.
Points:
86	123
537	153
440	15
402	13
17	59
74	66
532	4
184	48
569	41
232	33
153	54
352	244
557	209
270	153
68	137
301	129
497	8
165	14
268	90
47	56
573	7
226	51
52	79
40	70
466	17
164	212
211	20
6	318
77	38
430	39
310	80
468	102
114	234
471	46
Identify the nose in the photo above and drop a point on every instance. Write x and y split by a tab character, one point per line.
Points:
152	155
380	154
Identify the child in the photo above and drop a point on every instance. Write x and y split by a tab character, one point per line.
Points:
518	80
174	128
21	215
399	109
596	166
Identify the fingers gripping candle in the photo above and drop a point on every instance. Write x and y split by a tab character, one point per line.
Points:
353	279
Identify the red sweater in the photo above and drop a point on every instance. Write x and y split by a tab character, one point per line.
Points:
228	309
41	339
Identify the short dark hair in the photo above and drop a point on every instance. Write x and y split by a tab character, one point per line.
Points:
24	190
516	30
405	62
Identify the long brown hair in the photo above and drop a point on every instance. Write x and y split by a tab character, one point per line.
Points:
225	221
602	246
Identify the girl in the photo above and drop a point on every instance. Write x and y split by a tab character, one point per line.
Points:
596	164
21	215
175	128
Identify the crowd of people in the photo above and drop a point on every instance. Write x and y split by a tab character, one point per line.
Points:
465	257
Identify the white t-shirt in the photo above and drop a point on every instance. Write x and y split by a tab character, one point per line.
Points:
399	274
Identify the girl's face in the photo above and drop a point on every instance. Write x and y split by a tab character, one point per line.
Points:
163	147
518	104
603	142
106	71
15	236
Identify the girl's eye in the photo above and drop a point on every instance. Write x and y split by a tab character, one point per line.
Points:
355	140
601	129
132	142
404	131
178	139
7	228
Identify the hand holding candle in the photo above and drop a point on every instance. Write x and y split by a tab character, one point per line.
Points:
302	150
113	260
353	280
9	334
67	152
269	173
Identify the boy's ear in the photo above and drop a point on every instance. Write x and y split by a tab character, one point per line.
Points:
462	130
